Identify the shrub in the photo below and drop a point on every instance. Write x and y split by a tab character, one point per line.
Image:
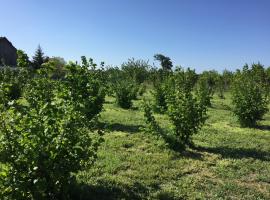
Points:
12	82
152	125
249	98
124	92
134	90
159	94
142	89
85	88
204	92
43	143
186	111
135	70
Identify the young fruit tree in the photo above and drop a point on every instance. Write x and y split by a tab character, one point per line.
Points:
45	138
186	111
249	97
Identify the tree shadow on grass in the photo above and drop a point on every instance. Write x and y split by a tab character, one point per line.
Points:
263	127
120	127
236	153
107	191
176	146
221	107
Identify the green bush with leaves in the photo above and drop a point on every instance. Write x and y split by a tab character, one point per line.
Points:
135	70
159	95
186	111
124	92
12	82
142	89
86	89
45	136
151	123
249	98
204	92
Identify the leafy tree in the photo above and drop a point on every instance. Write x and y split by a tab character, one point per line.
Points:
249	97
227	77
86	90
12	82
160	98
152	125
55	67
135	70
165	62
186	111
38	58
124	92
221	86
204	92
44	136
22	59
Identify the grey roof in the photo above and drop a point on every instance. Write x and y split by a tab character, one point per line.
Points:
5	39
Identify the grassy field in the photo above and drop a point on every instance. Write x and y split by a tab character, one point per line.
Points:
227	162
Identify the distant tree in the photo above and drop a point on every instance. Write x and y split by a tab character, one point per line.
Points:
55	67
22	59
38	58
136	70
165	62
227	77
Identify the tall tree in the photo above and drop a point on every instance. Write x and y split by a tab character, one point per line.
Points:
38	58
165	62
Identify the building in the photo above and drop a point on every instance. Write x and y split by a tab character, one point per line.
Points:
8	53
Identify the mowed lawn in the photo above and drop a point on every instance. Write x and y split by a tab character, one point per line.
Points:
227	162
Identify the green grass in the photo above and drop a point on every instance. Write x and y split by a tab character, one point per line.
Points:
228	162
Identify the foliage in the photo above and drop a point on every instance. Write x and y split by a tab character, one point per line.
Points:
165	62
124	92
135	70
152	125
204	92
38	58
142	89
12	82
159	94
227	77
22	59
113	75
186	111
221	86
45	130
249	97
86	89
55	67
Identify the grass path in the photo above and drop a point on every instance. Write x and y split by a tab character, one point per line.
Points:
228	162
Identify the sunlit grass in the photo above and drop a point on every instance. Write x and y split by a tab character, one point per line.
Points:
228	162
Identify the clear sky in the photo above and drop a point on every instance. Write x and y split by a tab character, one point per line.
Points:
201	34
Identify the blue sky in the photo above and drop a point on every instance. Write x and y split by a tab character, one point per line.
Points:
201	34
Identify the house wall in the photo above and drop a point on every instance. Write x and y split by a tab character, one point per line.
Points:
8	53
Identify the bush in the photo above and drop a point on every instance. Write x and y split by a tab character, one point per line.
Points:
86	90
249	98
44	138
152	125
142	89
204	92
12	82
186	111
159	94
124	92
135	70
134	90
